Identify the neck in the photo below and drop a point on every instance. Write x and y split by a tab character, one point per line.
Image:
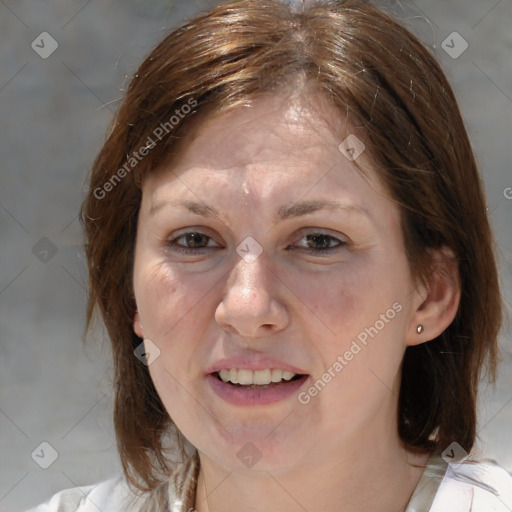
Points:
325	482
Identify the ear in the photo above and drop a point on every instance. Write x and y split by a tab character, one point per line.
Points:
137	325
438	302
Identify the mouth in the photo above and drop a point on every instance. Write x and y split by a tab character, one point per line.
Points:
255	381
243	387
259	379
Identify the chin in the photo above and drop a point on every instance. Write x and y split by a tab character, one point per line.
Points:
254	448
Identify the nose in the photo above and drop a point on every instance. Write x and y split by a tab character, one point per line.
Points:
250	306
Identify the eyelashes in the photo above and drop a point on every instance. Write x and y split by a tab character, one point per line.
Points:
197	239
321	239
193	236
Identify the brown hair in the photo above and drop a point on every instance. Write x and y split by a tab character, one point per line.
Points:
396	97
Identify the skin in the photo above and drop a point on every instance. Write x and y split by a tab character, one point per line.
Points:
290	304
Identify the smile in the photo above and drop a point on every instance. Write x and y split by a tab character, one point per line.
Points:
244	377
261	387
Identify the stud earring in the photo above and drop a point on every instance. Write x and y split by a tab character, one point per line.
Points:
419	329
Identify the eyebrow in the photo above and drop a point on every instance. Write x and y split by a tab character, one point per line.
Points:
285	212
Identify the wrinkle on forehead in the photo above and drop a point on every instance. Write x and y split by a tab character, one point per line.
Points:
250	149
305	123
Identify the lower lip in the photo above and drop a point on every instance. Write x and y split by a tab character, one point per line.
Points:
254	396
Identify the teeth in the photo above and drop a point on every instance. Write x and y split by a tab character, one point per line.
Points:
262	377
245	377
277	375
259	377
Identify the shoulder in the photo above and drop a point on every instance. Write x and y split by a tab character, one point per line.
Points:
114	495
481	486
111	495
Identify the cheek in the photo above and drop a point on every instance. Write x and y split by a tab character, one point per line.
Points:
167	299
354	303
169	303
340	299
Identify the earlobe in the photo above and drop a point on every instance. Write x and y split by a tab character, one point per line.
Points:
438	309
137	325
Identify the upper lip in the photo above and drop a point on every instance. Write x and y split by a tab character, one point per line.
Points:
252	363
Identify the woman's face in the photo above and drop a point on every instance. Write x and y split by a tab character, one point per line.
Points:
293	263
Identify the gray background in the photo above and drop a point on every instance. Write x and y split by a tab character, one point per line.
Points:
54	114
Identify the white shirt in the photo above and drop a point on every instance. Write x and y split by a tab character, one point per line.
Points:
467	487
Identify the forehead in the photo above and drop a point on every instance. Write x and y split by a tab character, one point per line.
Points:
271	128
276	151
286	133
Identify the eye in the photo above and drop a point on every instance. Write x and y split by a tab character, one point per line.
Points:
321	243
195	241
